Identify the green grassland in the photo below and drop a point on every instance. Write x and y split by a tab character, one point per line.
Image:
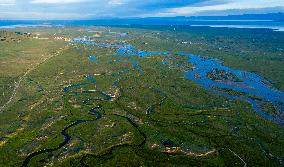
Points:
150	109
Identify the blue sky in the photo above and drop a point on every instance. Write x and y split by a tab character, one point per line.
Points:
89	9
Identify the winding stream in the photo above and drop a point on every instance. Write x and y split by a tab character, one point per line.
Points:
66	136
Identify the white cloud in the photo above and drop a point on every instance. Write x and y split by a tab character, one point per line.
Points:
7	2
227	5
116	2
42	15
57	1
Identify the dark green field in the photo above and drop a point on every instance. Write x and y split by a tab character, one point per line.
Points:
158	118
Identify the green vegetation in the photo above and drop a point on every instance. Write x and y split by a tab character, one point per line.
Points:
219	75
148	109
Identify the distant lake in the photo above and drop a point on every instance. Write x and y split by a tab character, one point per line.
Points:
270	24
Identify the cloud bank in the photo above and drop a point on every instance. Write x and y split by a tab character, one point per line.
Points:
91	9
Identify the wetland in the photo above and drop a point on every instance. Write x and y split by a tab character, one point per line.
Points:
141	96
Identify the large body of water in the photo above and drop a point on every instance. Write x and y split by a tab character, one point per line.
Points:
267	24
